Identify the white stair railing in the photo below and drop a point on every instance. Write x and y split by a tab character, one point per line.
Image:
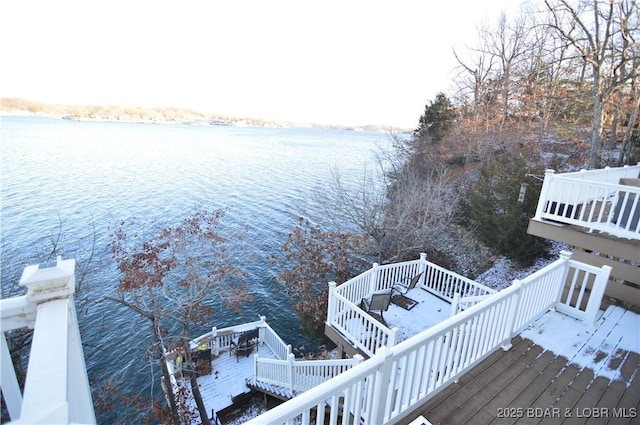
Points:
300	375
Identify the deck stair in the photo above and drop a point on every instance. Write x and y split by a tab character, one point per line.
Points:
273	390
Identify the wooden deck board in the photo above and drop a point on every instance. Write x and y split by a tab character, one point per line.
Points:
570	397
539	387
536	387
443	402
611	397
471	397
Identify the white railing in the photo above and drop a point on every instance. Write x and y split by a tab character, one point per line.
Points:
221	339
446	284
396	380
593	199
56	388
459	304
357	326
367	334
300	375
272	340
586	285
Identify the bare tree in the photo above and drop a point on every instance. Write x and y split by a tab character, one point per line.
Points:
479	69
603	34
309	259
167	278
507	44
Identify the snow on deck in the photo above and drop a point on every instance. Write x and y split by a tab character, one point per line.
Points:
429	311
228	378
601	347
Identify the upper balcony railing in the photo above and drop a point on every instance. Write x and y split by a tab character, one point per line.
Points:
56	389
366	333
605	200
396	380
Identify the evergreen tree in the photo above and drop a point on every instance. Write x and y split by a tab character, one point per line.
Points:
437	118
498	215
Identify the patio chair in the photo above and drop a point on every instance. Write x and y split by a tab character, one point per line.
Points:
403	288
245	343
378	302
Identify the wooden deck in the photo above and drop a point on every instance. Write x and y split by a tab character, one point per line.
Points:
527	385
227	381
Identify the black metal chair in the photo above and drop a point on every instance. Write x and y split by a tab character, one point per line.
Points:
377	302
403	288
245	343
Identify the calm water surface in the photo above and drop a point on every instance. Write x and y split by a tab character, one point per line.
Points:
87	176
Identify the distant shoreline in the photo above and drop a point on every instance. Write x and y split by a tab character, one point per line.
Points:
165	115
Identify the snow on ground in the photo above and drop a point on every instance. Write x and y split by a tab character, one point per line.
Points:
428	311
503	272
601	347
598	347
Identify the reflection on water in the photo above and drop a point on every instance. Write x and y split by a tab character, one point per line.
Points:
84	177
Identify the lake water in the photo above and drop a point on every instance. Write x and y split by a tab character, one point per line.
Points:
85	177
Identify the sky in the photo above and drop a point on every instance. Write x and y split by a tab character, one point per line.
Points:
326	62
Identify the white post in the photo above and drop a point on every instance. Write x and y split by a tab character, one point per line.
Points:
214	341
454	304
597	292
373	282
331	302
262	329
423	267
565	256
514	305
255	366
56	388
292	359
381	386
393	337
544	194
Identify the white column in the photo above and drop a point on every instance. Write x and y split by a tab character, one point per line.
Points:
56	387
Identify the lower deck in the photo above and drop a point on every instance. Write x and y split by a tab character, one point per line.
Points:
410	313
227	382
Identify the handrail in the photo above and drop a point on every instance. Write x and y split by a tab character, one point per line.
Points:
368	334
272	340
606	174
445	284
300	375
56	387
221	339
358	327
459	303
592	199
392	383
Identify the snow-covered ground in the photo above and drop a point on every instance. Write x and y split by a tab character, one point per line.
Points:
503	272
